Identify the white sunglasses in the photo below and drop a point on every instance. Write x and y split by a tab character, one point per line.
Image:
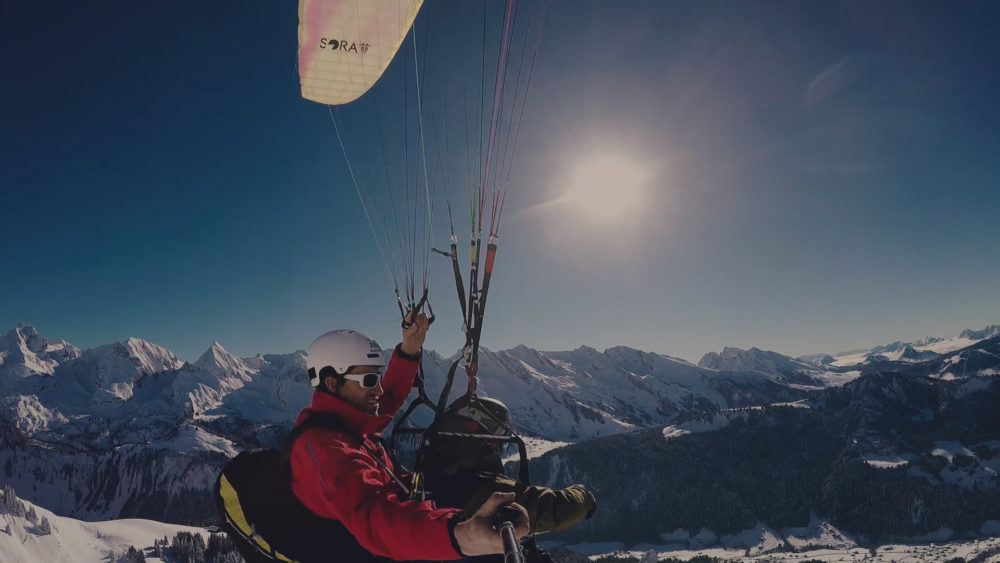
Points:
366	380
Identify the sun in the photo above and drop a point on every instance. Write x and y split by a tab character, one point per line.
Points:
606	188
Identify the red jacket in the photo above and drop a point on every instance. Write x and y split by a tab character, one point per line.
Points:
337	477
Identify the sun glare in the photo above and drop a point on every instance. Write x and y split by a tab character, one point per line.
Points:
606	188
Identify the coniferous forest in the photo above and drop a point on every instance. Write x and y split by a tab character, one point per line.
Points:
781	466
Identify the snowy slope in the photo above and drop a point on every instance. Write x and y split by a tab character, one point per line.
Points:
74	541
763	362
23	537
820	543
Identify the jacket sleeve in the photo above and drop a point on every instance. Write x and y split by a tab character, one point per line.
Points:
397	381
343	482
554	510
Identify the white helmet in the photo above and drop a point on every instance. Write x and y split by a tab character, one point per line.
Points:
340	350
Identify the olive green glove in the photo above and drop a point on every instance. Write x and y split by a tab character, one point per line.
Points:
555	510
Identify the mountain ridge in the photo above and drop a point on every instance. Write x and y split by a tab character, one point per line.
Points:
130	421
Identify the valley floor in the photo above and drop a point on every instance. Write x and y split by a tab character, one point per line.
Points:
985	550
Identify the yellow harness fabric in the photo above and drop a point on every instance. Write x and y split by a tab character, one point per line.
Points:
234	512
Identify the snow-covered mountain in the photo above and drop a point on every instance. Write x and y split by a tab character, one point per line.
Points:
25	352
771	364
920	350
128	430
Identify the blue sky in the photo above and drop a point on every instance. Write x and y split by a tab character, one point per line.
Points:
804	177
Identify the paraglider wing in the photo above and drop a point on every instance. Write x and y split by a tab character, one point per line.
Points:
345	45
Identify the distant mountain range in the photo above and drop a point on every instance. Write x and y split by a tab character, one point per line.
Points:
128	430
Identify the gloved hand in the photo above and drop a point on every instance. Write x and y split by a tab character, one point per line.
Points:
588	498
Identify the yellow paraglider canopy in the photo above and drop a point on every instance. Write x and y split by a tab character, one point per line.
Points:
346	45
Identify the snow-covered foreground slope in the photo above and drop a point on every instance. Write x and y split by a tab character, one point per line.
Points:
820	541
985	550
23	538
